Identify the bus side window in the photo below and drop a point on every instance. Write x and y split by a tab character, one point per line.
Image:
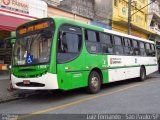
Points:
153	53
135	47
92	41
128	50
118	46
69	44
148	49
142	49
106	43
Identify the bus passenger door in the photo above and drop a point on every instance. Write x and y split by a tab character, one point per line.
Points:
70	58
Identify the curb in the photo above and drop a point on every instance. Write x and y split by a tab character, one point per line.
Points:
9	99
17	96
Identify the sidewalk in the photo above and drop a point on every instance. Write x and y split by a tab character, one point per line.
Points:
6	95
4	75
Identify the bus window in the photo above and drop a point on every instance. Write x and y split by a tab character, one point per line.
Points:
153	53
69	44
135	47
148	49
142	49
92	41
118	46
128	50
106	43
91	36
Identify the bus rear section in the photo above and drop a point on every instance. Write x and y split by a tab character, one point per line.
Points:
32	66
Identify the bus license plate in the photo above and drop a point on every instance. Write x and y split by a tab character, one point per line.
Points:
26	82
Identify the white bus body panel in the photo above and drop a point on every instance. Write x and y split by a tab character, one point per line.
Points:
49	80
126	67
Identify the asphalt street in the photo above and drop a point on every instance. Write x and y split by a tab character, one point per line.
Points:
124	97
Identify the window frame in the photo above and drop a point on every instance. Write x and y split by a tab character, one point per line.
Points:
97	41
131	46
122	44
136	47
111	44
144	48
59	28
153	46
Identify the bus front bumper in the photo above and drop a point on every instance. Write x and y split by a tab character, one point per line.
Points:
45	82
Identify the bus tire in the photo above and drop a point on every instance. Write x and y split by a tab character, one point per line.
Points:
94	82
142	74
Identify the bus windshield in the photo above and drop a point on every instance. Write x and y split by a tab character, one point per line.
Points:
33	44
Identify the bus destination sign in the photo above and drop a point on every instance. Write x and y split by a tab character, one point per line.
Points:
33	28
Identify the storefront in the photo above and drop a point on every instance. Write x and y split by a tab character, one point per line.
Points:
12	14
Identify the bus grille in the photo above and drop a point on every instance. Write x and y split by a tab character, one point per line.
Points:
32	84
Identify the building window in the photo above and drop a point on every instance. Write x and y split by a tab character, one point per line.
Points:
152	24
116	3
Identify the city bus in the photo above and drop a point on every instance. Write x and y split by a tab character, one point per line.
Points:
58	53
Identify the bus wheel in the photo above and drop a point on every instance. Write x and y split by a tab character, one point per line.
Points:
94	83
142	74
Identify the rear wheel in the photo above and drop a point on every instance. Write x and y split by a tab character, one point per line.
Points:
142	74
94	82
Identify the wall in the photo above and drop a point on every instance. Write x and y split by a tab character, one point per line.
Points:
120	14
103	11
52	11
80	7
124	29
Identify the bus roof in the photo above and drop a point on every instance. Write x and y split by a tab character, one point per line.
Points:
102	29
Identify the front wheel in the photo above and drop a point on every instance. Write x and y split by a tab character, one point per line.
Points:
142	74
94	82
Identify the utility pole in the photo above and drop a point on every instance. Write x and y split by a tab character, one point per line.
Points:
129	16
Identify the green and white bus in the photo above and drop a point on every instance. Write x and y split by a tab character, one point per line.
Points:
57	53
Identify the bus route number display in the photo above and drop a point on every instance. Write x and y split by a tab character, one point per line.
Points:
33	28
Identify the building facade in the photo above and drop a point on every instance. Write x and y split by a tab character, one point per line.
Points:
12	14
154	22
113	14
95	11
65	8
139	20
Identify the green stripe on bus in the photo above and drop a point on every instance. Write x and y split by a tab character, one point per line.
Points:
117	67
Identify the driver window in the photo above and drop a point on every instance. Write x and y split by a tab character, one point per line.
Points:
69	43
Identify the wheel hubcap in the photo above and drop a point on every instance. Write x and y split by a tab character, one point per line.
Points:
143	75
94	82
